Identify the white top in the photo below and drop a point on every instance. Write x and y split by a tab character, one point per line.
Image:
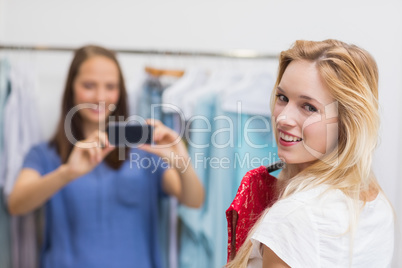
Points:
310	230
21	124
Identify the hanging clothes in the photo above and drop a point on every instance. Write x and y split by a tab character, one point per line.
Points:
151	98
172	97
21	131
198	237
5	243
135	86
216	82
220	184
239	140
195	250
253	93
150	106
5	89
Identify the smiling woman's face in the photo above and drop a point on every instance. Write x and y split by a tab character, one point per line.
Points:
97	81
305	114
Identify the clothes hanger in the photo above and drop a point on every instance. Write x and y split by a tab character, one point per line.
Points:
161	72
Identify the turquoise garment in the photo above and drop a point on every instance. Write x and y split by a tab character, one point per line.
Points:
236	143
255	145
106	218
221	179
195	247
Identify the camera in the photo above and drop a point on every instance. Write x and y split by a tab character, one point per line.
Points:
123	134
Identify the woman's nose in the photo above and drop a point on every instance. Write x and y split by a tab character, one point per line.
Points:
101	94
287	116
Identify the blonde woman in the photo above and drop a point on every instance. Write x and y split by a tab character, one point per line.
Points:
330	211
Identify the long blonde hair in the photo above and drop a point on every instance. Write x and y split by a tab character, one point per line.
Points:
351	75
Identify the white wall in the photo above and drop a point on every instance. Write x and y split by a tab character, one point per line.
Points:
262	25
2	19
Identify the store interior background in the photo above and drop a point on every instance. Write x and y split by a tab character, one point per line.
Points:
263	26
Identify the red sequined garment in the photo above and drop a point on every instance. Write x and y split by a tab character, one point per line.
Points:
255	194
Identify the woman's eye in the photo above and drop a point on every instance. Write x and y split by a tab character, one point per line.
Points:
88	85
282	97
111	87
310	108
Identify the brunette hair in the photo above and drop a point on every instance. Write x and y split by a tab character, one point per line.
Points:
60	140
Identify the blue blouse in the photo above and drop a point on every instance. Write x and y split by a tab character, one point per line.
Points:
106	218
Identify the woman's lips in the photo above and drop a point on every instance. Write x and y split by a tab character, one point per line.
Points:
286	139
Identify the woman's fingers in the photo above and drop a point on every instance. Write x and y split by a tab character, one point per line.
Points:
159	134
96	146
154	122
91	154
99	155
157	128
105	145
93	150
162	134
103	139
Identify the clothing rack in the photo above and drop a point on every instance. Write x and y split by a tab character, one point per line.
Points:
237	54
